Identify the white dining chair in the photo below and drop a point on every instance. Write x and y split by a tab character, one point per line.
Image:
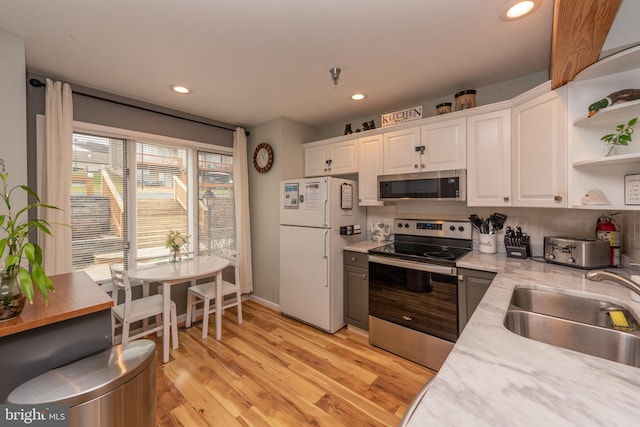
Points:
206	293
141	309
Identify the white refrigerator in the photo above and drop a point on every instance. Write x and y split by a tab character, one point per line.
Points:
312	210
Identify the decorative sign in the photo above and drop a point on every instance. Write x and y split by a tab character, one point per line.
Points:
408	115
632	189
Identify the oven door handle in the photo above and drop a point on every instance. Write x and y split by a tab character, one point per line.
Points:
431	268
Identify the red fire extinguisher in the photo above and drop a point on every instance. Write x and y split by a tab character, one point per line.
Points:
608	230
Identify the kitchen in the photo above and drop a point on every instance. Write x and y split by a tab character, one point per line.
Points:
537	222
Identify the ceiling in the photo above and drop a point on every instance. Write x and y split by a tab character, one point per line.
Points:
250	61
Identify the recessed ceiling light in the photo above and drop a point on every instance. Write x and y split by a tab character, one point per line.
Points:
180	89
358	96
520	8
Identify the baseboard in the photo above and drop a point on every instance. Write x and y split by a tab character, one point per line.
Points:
265	302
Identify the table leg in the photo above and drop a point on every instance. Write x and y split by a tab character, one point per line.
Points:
219	305
166	319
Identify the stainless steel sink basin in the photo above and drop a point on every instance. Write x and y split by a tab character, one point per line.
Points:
575	323
579	309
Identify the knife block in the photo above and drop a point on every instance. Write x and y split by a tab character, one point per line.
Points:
519	249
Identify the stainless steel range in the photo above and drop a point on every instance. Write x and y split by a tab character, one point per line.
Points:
413	289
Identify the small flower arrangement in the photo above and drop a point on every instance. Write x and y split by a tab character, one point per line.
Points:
176	240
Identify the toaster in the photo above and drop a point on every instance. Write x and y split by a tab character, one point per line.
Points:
577	252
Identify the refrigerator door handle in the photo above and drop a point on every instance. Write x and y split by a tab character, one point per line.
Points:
326	206
326	258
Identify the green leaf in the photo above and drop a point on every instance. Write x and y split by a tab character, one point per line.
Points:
633	122
37	254
24	280
29	252
41	282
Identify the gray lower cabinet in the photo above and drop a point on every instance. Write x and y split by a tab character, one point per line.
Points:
472	285
356	289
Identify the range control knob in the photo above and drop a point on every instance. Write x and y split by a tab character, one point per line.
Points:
399	225
406	225
571	260
452	228
461	228
551	256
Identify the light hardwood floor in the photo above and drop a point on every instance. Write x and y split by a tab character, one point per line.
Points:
275	371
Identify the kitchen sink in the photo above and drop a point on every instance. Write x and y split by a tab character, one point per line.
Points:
576	323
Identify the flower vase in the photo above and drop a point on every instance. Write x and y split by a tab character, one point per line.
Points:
175	255
610	150
12	300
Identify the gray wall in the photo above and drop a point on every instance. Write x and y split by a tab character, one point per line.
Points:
13	136
285	138
486	95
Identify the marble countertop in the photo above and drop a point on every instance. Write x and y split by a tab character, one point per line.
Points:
365	245
494	377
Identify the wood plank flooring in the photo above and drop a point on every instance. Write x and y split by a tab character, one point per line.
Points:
275	371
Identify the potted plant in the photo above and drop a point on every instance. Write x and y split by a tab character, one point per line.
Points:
17	282
622	137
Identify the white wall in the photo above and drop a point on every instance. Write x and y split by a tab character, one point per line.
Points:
13	111
285	137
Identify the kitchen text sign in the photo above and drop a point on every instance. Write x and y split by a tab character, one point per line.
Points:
410	114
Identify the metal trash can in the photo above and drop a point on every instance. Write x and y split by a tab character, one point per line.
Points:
114	388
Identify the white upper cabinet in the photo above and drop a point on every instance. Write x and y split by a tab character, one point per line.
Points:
338	158
445	145
489	159
539	150
371	165
400	155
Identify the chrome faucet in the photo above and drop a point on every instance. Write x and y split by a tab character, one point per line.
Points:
600	275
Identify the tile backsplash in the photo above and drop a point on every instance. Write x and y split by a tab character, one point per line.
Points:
536	222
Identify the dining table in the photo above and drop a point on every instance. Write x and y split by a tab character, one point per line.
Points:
173	273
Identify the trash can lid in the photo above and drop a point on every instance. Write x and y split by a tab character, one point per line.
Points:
87	378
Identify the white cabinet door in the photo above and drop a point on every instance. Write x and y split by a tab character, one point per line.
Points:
489	159
370	166
445	145
316	161
331	159
539	151
400	154
344	158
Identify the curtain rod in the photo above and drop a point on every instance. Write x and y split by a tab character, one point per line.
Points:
38	83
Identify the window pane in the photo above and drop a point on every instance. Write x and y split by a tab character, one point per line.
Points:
162	194
98	201
216	205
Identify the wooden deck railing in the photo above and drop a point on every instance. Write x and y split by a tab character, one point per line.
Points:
116	206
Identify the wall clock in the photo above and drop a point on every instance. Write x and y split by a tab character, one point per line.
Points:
263	157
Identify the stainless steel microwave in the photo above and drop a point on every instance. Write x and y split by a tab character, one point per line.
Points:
441	185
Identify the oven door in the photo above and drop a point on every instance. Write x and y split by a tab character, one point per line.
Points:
419	296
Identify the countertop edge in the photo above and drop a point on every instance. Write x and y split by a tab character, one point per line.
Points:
494	377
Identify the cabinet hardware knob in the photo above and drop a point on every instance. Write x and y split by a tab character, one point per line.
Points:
364	277
557	198
422	165
407	318
506	199
353	259
415	166
460	277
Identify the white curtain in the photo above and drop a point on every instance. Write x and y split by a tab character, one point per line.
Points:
56	186
243	228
